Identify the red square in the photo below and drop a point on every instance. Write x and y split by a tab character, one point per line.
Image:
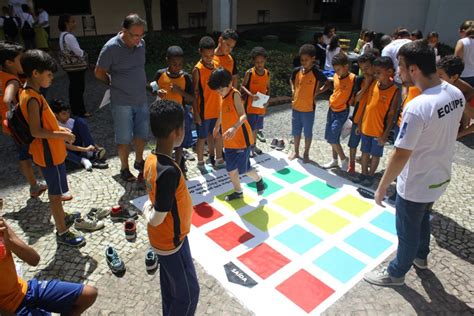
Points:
203	214
264	260
229	236
305	290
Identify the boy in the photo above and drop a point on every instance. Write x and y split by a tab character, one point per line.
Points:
175	84
222	56
48	148
307	82
236	133
338	110
206	107
168	211
256	79
320	49
10	84
363	88
84	148
377	118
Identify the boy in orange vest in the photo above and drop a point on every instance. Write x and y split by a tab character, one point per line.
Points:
222	56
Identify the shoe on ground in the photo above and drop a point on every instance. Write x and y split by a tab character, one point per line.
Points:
421	263
345	164
201	166
126	175
70	218
188	156
219	164
383	278
114	262
234	196
260	186
130	229
38	189
70	238
139	166
66	197
358	178
88	224
351	170
120	213
367	182
99	164
98	213
211	160
151	260
280	145
261	137
332	164
257	150
274	143
140	177
99	154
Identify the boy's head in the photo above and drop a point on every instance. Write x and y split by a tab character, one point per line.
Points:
220	80
318	37
329	31
449	68
369	36
464	27
38	66
366	64
259	56
174	58
340	62
228	40
416	35
433	39
307	55
383	69
206	49
167	121
401	32
415	60
10	55
61	110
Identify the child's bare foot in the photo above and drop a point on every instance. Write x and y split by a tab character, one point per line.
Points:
293	156
306	158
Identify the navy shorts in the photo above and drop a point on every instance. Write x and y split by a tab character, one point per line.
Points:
131	122
354	139
253	121
188	129
302	121
206	128
260	122
56	179
237	159
53	296
334	123
370	146
22	151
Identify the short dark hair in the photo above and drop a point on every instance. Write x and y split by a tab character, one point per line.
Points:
385	40
340	59
230	34
433	34
174	51
9	51
132	20
370	35
367	57
220	78
25	8
58	106
383	62
165	117
38	60
258	51
403	33
63	19
206	42
307	49
334	43
452	65
327	28
421	54
317	36
417	34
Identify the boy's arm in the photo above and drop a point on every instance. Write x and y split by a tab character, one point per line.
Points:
268	91
197	118
390	116
188	92
235	74
217	126
10	92
80	148
327	85
243	87
17	246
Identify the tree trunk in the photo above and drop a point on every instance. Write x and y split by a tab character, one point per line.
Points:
149	15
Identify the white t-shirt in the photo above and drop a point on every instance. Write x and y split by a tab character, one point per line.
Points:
391	50
27	18
69	123
366	47
429	128
329	56
43	18
71	43
468	57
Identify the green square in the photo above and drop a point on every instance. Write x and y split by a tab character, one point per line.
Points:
328	221
264	218
319	189
236	204
270	187
293	202
353	205
289	175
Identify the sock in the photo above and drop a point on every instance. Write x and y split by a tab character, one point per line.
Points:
86	163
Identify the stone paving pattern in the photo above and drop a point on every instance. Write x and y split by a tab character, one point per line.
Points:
447	288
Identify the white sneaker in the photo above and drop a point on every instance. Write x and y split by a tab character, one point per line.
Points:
383	278
88	224
345	164
332	164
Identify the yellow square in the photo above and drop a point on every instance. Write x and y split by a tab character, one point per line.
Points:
328	221
353	205
264	218
293	202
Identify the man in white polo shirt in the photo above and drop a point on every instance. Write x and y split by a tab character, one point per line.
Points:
422	159
391	50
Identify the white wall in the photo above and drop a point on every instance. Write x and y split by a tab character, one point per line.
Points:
280	10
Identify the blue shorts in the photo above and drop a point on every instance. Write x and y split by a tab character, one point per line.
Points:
260	122
131	122
237	159
56	179
206	128
44	297
370	146
302	121
253	120
188	133
354	139
334	123
22	151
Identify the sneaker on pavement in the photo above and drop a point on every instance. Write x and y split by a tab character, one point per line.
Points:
120	213
211	160
234	196
126	175
70	238
260	186
345	164
139	166
219	164
332	164
261	136
113	260
383	278
257	150
99	154
421	263
98	213
188	156
130	229
280	145
88	224
367	182
38	189
70	218
99	164
274	143
351	170
151	260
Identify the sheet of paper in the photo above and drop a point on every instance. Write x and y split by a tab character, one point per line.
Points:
262	99
105	99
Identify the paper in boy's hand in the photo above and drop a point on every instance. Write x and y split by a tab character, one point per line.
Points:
105	99
262	99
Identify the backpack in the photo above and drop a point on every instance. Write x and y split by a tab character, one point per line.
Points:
18	126
27	30
10	28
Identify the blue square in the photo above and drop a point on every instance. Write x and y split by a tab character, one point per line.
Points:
386	222
298	239
339	264
369	243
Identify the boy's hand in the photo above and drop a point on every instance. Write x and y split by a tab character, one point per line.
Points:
197	119
216	131
381	141
8	235
69	137
230	133
162	93
90	148
65	129
176	89
255	97
357	131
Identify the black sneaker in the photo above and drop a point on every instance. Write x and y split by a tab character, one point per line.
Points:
234	196
274	143
280	145
70	238
258	151
139	166
261	137
368	181
260	187
127	176
151	260
211	160
358	178
70	218
99	164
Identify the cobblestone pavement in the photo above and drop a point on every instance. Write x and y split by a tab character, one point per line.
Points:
447	288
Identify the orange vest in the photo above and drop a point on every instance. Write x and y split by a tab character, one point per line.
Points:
357	116
5	78
243	137
373	123
177	223
45	152
413	92
227	62
256	83
305	85
165	81
208	100
342	92
12	287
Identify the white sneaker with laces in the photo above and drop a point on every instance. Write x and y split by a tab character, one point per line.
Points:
345	164
332	164
88	224
383	278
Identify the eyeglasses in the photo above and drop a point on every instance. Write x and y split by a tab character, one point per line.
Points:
136	35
